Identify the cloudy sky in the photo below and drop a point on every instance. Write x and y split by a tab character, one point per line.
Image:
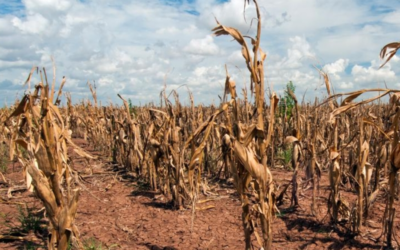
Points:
134	47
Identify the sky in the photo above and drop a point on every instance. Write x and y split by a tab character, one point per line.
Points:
135	48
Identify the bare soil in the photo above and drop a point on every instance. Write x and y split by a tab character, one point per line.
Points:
117	211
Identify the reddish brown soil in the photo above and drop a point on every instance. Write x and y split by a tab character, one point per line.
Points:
120	213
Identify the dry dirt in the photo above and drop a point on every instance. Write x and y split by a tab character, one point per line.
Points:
118	212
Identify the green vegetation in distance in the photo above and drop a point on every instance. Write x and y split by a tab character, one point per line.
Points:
286	103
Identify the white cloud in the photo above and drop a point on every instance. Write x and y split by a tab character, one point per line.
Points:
236	58
372	73
209	71
393	17
34	24
167	31
226	13
337	67
371	29
115	44
346	85
205	46
47	5
334	69
299	52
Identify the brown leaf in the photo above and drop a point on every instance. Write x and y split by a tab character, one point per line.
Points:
290	139
333	154
22	107
393	47
350	98
395	157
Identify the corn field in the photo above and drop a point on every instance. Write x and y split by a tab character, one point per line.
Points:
344	157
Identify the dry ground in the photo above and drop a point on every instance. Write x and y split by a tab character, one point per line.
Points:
118	212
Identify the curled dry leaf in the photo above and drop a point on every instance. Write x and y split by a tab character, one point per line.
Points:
290	139
389	50
395	157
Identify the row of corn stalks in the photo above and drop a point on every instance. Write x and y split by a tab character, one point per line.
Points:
177	149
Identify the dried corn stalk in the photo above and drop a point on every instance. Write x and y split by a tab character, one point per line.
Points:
245	145
41	132
363	176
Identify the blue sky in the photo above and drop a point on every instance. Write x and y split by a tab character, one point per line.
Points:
135	47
